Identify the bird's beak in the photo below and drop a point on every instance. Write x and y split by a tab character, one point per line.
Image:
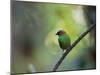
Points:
57	33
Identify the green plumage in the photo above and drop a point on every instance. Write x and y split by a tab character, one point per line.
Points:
64	41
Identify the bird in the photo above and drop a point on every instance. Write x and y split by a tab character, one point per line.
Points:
63	40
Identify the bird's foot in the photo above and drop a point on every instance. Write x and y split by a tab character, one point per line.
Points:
64	51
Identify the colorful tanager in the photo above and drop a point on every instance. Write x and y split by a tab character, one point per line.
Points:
63	39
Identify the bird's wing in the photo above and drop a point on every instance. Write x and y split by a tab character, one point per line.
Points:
60	43
64	43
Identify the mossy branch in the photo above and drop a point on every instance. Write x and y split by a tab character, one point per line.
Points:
72	46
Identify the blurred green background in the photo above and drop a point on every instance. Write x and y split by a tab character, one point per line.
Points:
35	45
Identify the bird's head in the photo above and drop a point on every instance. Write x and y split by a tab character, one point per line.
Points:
60	32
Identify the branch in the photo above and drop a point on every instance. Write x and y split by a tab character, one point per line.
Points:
72	46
